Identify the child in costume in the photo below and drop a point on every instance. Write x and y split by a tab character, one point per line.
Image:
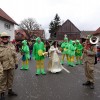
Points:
54	62
78	52
64	47
25	55
38	55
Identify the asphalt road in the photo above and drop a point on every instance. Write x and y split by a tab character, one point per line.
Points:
61	86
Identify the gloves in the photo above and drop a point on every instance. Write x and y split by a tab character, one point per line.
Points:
16	66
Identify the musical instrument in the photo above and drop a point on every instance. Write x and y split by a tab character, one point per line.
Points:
94	40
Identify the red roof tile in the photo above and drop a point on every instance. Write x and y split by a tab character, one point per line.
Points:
37	33
6	17
21	32
97	31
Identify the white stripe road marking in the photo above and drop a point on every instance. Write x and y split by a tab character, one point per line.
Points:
66	70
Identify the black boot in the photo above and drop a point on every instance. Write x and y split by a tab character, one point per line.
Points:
2	96
87	83
11	93
92	85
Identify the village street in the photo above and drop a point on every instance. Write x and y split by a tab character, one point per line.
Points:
65	24
61	86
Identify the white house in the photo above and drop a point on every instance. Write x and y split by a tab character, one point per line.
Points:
7	24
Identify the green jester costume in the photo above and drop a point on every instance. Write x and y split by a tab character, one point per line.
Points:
25	55
38	50
71	53
78	52
64	47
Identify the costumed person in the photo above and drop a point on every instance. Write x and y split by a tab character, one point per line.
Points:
71	53
89	60
64	47
1	72
30	48
98	52
38	55
9	62
54	61
78	52
25	55
47	46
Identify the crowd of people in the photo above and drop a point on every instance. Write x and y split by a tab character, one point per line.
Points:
75	53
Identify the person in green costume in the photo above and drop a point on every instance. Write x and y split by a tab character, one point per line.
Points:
25	55
78	52
64	47
71	53
38	50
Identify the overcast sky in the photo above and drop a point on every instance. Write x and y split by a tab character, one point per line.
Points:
85	14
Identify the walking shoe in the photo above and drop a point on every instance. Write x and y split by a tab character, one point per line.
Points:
77	63
22	67
81	62
43	72
11	93
26	67
87	83
38	72
92	85
72	65
2	97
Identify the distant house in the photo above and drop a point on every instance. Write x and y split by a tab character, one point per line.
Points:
7	24
39	33
84	34
97	34
69	29
22	34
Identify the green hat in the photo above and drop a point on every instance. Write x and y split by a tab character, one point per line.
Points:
24	42
37	39
65	38
77	41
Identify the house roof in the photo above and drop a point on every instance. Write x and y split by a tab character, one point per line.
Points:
97	31
4	16
36	33
85	33
21	32
68	26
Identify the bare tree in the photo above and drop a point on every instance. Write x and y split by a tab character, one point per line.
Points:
28	25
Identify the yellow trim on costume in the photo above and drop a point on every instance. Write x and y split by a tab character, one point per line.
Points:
40	52
65	49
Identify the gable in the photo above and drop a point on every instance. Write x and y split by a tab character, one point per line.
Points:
4	16
97	31
68	27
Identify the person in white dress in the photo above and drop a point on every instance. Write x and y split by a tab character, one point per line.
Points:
54	65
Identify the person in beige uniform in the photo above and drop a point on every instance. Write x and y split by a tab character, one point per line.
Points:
89	55
9	62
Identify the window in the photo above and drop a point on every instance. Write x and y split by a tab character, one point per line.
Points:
7	26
